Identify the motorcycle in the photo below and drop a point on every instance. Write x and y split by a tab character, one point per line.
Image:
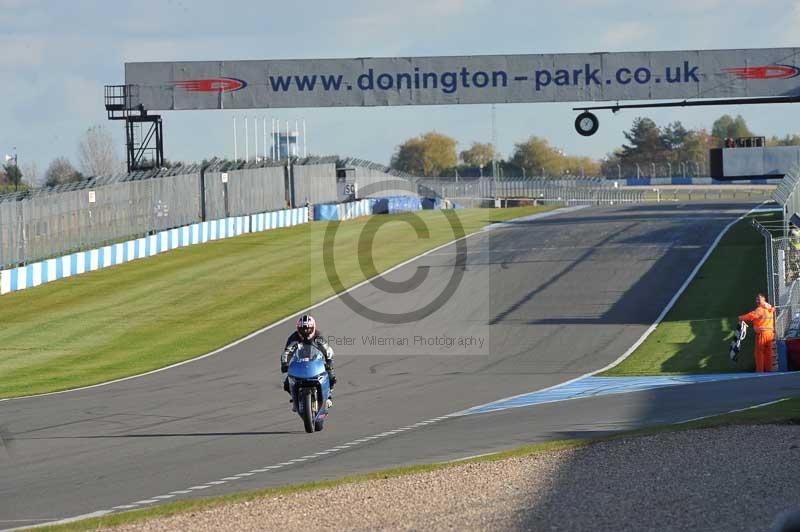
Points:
309	386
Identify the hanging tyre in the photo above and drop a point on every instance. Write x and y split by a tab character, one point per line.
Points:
586	124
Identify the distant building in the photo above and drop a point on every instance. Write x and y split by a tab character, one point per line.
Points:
288	145
750	158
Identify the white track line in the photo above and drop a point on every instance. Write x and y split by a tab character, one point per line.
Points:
355	443
481	231
266	469
678	294
420	424
647	332
64	521
760	405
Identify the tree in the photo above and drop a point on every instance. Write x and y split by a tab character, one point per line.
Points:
410	157
611	165
427	155
479	154
646	142
728	127
30	173
536	156
673	136
788	140
96	152
61	171
13	175
581	166
696	145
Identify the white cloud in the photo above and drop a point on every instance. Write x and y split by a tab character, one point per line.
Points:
83	98
391	25
694	6
787	34
22	53
626	34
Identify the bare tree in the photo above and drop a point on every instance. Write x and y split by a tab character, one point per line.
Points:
30	174
60	171
96	152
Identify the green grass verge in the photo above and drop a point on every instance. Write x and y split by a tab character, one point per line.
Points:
695	334
147	314
784	412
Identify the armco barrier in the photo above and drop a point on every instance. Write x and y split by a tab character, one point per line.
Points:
343	211
326	211
431	203
85	261
395	204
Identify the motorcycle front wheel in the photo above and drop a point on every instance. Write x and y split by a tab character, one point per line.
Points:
308	411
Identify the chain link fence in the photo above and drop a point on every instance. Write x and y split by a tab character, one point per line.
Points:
782	254
590	191
53	221
48	222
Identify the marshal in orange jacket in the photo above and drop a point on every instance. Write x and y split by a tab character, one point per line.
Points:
762	319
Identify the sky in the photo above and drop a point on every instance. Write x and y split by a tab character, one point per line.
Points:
56	56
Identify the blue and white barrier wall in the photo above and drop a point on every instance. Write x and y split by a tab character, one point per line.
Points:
343	211
86	261
396	204
667	181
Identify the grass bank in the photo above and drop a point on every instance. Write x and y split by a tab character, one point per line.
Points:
695	334
787	411
150	313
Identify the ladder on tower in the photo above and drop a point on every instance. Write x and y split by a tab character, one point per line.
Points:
144	141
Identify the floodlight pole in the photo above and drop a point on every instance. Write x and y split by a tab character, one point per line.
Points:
235	147
305	142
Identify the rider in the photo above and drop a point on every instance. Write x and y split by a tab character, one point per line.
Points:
307	333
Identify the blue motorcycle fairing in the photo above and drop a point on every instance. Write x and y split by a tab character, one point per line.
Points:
308	364
307	367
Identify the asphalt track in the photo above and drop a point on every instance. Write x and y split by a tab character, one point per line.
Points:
550	299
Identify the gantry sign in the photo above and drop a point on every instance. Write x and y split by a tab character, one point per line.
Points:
692	77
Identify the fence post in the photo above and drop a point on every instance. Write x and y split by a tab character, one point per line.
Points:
2	245
20	234
202	200
770	278
289	172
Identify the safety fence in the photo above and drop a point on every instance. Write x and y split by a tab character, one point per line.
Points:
65	266
782	261
35	274
54	221
591	191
